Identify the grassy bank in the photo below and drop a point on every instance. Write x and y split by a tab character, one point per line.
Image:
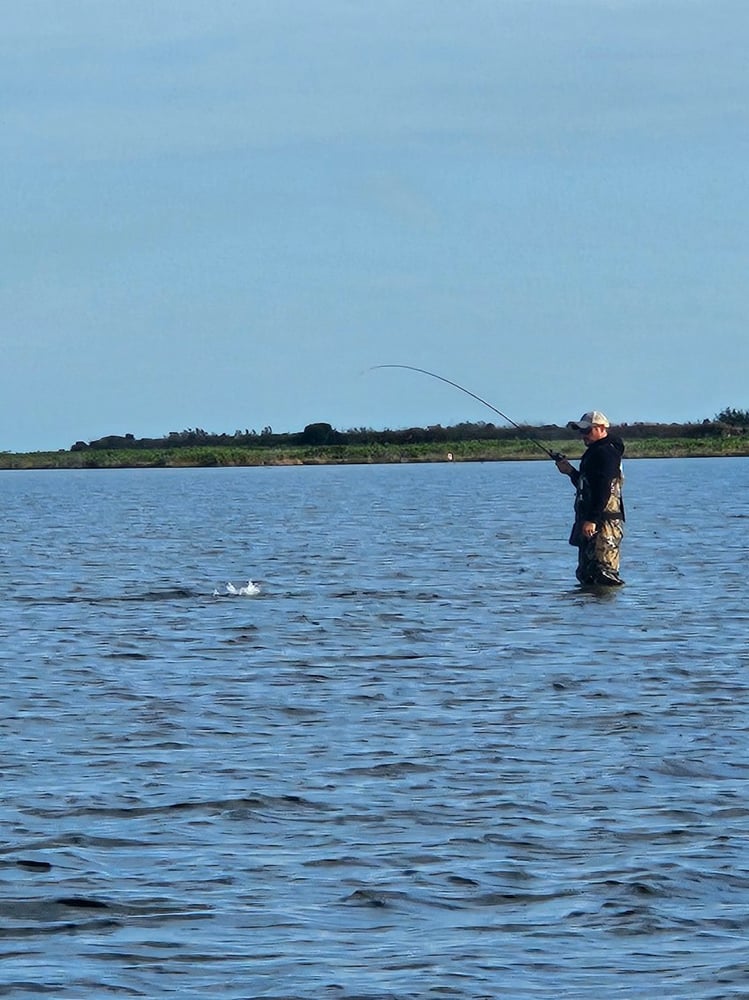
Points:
462	451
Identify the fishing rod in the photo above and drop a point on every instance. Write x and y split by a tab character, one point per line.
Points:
555	455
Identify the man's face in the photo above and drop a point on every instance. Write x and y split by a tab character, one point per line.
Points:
594	433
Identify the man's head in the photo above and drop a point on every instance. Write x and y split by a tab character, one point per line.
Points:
593	426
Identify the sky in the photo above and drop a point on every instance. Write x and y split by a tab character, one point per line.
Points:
223	215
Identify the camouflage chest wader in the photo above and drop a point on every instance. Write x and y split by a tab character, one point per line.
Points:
598	557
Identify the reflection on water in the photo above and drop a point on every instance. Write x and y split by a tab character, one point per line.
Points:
416	761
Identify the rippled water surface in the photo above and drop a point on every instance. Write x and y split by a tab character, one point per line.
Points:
420	762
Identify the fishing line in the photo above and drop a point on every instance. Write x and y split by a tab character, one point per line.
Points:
552	454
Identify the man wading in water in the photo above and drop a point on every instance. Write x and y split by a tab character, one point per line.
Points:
599	509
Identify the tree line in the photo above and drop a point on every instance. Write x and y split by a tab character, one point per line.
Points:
729	421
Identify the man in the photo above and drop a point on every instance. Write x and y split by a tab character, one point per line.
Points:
599	509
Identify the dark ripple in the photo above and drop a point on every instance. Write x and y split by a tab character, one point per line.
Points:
20	918
257	804
149	596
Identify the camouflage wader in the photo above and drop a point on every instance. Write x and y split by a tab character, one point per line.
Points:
598	557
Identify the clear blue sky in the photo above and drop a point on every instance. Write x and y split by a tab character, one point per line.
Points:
220	215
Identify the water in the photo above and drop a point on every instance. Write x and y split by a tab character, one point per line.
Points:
419	763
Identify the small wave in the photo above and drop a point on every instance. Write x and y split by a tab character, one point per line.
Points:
375	897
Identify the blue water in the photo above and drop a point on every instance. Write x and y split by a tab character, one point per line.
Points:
420	762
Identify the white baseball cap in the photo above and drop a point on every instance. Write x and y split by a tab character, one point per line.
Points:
587	420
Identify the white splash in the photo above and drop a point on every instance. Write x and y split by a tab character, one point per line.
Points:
249	591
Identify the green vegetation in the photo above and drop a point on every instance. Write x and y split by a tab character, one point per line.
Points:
461	451
733	418
321	444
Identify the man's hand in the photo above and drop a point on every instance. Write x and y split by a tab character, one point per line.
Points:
588	529
564	467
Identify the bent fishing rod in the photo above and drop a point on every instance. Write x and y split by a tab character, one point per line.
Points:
555	455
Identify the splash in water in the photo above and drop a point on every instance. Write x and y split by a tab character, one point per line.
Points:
231	591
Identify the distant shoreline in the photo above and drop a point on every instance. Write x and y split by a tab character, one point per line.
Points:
208	456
